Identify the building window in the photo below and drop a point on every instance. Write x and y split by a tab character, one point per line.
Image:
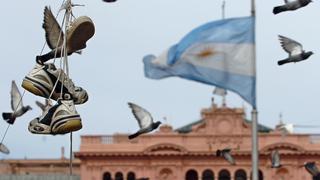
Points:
131	176
316	177
207	175
119	176
240	175
260	175
224	175
191	175
106	176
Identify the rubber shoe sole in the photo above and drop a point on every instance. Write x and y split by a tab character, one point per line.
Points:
67	127
38	90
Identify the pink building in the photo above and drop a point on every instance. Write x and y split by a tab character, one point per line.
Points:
188	153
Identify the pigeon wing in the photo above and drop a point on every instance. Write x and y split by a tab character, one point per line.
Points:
290	46
275	158
228	157
143	117
54	34
4	149
312	168
16	99
41	106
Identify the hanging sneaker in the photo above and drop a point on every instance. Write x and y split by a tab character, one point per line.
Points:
42	81
78	33
61	118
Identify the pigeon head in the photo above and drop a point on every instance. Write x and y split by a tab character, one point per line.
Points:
306	55
28	108
218	152
156	125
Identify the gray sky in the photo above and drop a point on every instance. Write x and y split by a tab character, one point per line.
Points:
111	67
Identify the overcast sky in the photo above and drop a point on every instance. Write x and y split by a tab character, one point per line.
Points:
111	67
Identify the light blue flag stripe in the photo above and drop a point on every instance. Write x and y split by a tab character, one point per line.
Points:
219	53
234	31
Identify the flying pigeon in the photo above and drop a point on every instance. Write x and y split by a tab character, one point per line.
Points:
312	168
45	106
144	119
16	105
55	37
4	149
109	1
291	6
226	154
275	159
294	49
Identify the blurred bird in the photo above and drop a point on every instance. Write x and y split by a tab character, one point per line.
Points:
16	105
109	1
290	6
4	149
226	154
312	168
294	49
45	106
275	159
144	119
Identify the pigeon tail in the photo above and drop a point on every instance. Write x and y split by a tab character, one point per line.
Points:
8	117
133	135
281	62
278	9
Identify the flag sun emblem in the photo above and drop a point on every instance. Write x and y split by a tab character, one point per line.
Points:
205	53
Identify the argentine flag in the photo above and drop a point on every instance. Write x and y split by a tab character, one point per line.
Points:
219	53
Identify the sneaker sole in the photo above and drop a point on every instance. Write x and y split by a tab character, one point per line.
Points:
29	86
67	127
37	89
40	91
80	32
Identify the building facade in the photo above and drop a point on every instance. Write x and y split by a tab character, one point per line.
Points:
188	153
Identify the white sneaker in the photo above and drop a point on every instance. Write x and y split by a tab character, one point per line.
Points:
42	79
61	118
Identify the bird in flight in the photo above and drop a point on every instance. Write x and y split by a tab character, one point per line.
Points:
312	168
290	6
275	159
294	49
16	105
144	119
226	154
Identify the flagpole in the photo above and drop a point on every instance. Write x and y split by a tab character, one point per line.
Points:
255	145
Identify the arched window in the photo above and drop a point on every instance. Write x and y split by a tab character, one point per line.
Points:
207	175
191	175
119	176
224	175
316	177
240	175
131	176
260	175
106	176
